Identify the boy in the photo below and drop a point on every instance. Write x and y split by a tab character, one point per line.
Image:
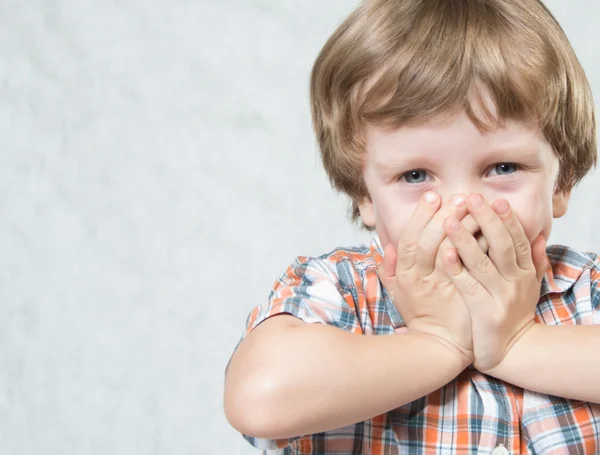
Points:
458	129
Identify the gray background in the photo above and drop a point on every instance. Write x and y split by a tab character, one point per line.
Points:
157	173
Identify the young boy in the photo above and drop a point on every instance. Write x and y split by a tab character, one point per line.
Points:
458	129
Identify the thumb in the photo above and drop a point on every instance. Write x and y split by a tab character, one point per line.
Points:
538	255
387	269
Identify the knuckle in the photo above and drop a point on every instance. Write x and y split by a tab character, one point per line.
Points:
407	247
484	265
521	247
471	288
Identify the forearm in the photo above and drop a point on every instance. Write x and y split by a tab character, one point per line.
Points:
313	378
556	360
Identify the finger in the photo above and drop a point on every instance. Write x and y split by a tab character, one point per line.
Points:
473	228
433	234
387	269
520	242
539	256
501	246
407	245
451	261
471	290
448	244
476	261
482	242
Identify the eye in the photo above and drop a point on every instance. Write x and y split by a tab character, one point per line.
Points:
416	176
504	169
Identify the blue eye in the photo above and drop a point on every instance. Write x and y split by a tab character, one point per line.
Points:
504	169
417	176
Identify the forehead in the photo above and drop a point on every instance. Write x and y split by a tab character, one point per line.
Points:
452	134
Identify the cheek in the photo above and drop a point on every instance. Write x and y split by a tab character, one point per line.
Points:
392	214
534	211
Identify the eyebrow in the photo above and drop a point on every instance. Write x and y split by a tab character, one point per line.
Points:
410	162
526	150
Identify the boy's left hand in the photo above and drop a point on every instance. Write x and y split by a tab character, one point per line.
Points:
502	288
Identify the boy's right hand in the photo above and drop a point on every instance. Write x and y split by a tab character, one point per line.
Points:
415	278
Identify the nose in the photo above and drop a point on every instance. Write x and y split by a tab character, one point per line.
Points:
461	188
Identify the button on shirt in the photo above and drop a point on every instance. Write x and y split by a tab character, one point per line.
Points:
473	414
500	450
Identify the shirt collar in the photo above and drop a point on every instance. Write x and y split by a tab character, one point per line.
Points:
565	267
376	249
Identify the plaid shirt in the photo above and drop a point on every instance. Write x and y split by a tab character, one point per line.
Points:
474	413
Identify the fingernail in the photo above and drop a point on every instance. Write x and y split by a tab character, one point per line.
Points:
501	207
431	198
458	200
454	224
477	202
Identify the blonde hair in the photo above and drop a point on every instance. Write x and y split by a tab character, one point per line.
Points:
399	62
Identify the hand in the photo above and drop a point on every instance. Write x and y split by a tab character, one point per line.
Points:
421	290
500	289
470	226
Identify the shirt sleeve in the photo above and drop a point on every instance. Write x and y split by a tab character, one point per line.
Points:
316	291
313	290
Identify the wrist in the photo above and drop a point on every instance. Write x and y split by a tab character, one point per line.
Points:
463	356
526	332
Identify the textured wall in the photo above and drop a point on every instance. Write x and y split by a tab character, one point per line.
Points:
157	173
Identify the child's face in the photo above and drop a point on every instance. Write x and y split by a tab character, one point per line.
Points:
452	156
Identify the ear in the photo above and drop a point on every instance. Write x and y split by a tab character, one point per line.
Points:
560	203
367	212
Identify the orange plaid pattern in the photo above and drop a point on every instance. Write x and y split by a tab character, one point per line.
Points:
473	414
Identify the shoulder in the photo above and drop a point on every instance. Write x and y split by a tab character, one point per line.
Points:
343	265
569	266
561	255
340	287
573	274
